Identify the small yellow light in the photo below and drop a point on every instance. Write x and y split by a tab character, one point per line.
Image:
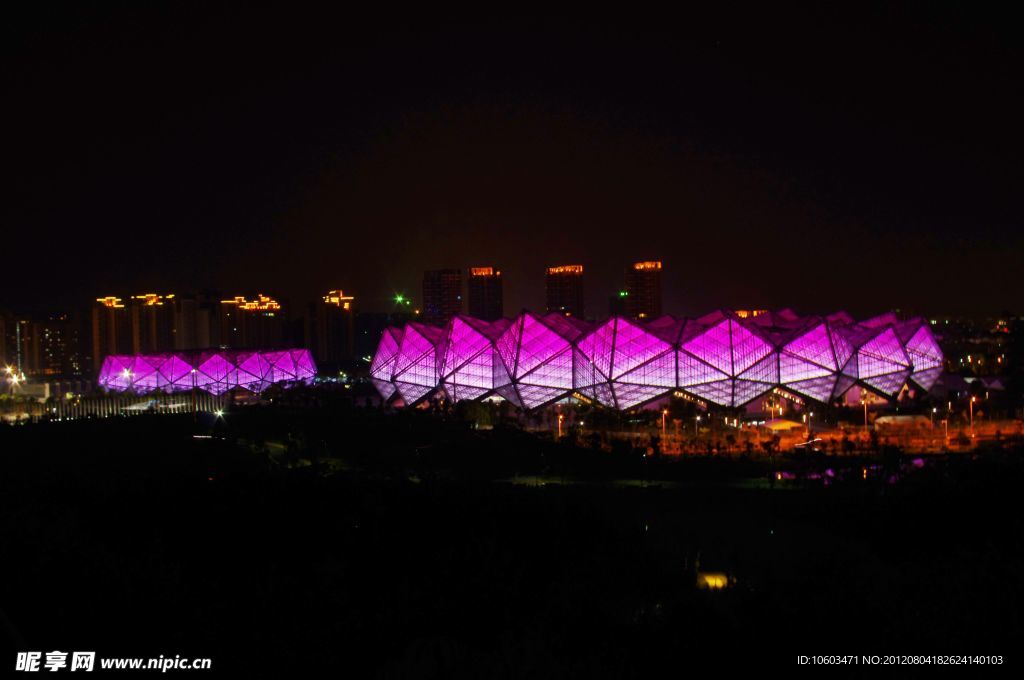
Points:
712	580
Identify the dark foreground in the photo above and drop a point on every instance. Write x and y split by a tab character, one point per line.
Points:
385	548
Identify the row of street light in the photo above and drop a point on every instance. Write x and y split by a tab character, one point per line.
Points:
664	416
806	419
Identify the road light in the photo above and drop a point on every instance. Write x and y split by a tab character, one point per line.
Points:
664	414
971	406
696	422
864	403
933	416
561	417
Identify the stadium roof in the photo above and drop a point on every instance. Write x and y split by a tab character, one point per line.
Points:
533	360
214	371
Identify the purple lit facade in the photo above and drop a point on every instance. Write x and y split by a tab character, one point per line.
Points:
720	358
214	371
382	368
415	370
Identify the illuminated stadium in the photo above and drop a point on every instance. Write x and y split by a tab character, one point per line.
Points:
214	371
721	358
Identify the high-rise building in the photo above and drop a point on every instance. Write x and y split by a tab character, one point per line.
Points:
330	329
564	285
28	347
56	347
485	293
111	329
643	290
5	342
442	295
40	348
194	321
152	319
251	324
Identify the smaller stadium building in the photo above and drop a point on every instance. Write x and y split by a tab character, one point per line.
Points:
214	371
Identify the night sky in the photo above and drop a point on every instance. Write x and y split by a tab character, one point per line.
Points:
862	162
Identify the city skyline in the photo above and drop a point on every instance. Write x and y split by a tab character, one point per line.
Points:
335	343
601	146
596	303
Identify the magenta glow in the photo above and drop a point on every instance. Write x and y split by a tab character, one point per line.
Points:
214	371
720	358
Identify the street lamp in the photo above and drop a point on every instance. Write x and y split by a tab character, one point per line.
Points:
971	406
695	423
933	416
561	417
664	414
864	403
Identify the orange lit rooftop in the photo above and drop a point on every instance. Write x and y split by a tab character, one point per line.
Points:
484	271
260	304
650	265
150	299
566	269
339	299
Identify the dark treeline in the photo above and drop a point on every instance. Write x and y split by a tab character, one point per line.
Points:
296	539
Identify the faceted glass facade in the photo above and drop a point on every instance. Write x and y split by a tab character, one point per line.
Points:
535	353
382	368
720	358
420	353
215	371
467	370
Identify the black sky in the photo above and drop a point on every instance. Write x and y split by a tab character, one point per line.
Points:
835	161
